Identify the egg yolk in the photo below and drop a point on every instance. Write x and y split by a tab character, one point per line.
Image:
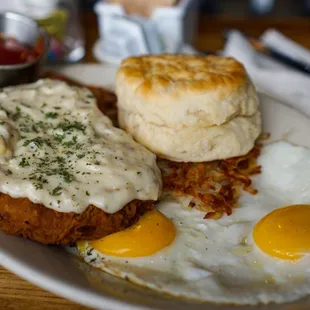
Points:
151	233
285	232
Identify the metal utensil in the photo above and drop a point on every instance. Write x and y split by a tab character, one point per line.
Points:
26	31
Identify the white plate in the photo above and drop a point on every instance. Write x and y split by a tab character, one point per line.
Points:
57	271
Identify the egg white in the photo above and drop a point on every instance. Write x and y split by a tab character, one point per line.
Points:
217	260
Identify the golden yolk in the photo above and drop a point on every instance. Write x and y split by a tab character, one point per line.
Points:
285	232
150	234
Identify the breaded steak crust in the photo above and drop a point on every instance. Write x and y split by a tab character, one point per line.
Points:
20	216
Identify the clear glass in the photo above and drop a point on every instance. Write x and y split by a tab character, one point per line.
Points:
62	21
74	39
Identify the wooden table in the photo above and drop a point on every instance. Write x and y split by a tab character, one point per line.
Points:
16	293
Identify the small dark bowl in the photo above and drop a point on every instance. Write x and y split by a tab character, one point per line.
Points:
26	31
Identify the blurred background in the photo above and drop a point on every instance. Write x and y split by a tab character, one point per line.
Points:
251	17
110	30
244	7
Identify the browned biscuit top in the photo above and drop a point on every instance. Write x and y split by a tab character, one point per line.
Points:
171	73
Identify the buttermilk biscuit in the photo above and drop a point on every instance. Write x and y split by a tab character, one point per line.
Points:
181	91
188	108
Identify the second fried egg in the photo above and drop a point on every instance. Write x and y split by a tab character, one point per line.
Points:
259	254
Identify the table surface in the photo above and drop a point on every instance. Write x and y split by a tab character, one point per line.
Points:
16	293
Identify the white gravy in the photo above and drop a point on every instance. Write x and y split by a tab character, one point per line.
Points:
59	150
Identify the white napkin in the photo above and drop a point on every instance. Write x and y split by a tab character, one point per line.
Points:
285	45
271	77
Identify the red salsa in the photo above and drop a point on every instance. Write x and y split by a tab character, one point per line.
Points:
13	52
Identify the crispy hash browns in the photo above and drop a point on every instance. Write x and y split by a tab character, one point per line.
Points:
20	216
214	187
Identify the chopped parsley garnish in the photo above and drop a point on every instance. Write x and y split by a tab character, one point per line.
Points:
57	191
70	143
24	163
51	115
17	114
40	124
67	126
60	160
87	193
38	141
38	186
58	137
61	171
34	128
68	177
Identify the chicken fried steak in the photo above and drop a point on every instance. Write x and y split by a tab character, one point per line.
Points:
20	216
65	172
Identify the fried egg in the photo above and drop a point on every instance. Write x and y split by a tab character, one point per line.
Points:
259	254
